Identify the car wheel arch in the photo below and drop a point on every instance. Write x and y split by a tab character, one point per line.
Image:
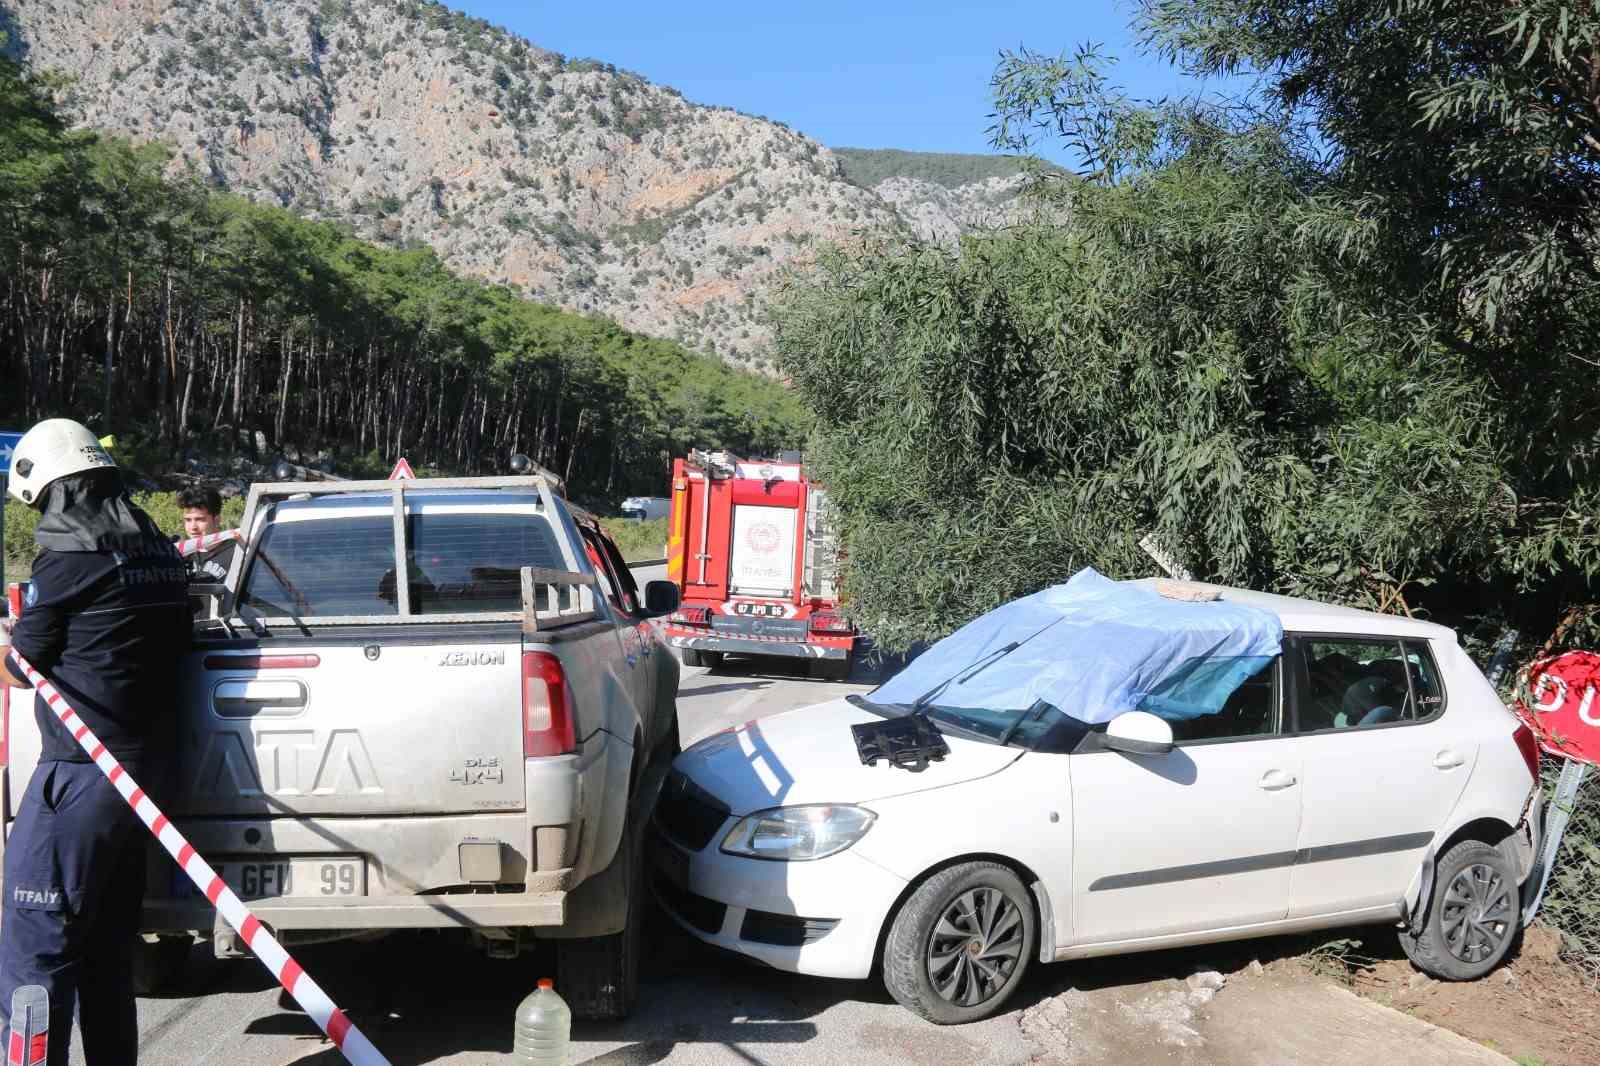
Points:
1492	831
1486	828
1489	829
1043	906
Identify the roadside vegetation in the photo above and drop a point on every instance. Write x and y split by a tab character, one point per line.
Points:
1336	339
638	541
180	317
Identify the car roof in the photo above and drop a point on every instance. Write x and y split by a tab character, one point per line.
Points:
1309	616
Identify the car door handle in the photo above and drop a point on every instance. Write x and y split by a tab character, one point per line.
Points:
1273	780
1448	759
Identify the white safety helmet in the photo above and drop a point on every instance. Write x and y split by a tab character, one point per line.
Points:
52	450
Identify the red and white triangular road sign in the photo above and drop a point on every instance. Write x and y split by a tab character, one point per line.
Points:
402	472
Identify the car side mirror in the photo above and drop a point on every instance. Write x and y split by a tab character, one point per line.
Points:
1139	733
660	597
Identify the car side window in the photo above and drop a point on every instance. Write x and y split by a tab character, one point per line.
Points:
1251	710
1360	682
627	588
1426	688
597	559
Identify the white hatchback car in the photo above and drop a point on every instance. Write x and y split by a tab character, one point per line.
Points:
1367	774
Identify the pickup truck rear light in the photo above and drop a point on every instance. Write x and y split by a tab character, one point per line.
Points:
828	622
546	706
1528	744
691	616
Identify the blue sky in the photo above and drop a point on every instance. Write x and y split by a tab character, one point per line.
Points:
884	74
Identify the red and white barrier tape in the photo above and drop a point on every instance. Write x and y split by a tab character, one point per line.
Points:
210	540
355	1047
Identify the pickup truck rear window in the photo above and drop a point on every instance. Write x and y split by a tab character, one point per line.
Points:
467	563
459	563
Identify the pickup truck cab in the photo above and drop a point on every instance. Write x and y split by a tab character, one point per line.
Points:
428	704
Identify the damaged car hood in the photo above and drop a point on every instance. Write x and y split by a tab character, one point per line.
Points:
809	756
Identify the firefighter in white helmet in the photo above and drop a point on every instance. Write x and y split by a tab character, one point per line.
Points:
106	618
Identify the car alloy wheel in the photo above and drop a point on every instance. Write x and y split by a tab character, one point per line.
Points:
1477	913
975	947
959	945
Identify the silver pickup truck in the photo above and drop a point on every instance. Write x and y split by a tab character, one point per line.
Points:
431	704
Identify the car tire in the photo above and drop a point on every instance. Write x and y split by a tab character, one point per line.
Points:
1474	917
598	976
160	963
953	979
693	658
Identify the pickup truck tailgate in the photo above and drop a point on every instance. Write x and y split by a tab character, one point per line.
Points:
391	725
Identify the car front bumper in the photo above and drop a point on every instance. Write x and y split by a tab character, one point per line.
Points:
821	918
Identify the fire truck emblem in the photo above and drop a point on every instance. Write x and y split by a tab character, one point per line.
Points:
763	537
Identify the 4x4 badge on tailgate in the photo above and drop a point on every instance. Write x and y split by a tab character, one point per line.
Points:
480	771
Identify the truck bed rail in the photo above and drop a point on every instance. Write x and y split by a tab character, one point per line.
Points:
568	595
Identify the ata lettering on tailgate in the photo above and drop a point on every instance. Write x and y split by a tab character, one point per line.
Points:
287	762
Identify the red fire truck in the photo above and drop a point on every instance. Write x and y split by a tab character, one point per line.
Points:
751	546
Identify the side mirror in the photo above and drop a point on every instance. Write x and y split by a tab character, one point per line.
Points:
660	597
1139	733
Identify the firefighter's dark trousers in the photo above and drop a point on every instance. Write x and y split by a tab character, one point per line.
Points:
74	885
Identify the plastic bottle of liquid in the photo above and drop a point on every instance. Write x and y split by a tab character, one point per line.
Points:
544	1027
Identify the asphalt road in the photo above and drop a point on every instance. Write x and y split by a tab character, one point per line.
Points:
424	1000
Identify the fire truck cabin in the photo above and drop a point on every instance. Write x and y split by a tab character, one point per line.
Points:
753	551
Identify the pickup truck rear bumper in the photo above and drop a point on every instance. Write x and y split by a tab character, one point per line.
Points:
423	871
428	911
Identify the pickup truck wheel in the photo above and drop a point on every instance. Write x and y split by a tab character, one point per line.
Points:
692	658
599	975
160	962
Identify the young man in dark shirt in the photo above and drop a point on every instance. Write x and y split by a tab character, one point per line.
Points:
106	618
202	515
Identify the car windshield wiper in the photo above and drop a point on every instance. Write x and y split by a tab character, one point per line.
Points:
1033	713
902	710
967	674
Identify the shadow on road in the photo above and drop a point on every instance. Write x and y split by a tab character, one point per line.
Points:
421	999
709	690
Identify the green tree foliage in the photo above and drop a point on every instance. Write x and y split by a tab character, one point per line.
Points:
1244	330
189	312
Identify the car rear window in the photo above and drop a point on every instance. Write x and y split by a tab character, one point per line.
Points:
458	563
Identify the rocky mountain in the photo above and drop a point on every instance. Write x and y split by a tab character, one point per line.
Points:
940	195
577	183
940	214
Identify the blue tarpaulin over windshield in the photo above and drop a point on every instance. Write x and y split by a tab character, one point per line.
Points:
1093	648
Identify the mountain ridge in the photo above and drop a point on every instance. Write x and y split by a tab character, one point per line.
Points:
576	182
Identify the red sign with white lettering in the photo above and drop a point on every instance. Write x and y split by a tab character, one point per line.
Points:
1562	704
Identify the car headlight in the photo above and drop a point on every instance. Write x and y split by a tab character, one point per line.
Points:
798	834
